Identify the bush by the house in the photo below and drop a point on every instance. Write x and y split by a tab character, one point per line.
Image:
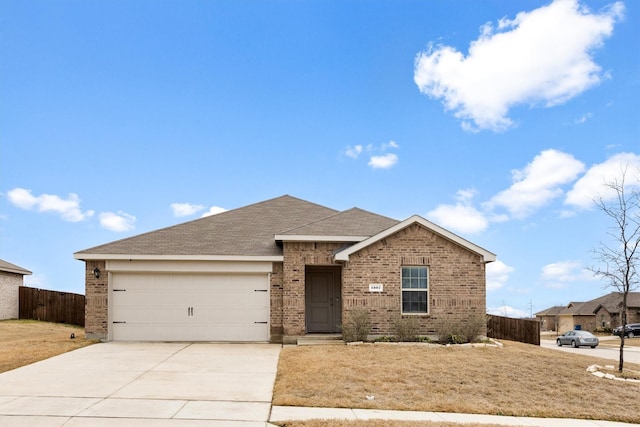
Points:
406	329
356	326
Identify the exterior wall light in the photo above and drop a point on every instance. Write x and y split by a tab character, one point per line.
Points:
96	272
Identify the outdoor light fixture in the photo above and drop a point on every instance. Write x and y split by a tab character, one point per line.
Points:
96	272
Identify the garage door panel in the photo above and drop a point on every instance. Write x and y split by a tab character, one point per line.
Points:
189	307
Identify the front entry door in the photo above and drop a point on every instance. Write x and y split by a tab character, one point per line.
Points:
323	302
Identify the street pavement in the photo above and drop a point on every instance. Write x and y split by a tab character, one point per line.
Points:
609	348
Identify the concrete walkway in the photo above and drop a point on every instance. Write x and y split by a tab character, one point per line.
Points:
283	413
180	384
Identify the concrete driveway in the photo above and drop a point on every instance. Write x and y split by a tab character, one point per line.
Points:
144	384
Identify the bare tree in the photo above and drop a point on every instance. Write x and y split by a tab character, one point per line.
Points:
619	260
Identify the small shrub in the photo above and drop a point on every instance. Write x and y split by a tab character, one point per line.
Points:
473	327
357	326
447	333
405	329
454	339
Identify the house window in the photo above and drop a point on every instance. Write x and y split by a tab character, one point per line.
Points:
415	290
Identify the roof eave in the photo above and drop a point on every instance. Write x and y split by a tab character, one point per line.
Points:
317	238
104	257
16	271
488	256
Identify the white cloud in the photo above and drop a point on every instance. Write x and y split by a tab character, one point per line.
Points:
561	274
583	118
591	185
390	144
119	221
383	162
542	57
213	210
353	152
69	208
185	209
460	218
379	156
538	183
507	311
497	275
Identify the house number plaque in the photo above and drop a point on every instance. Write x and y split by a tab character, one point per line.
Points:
375	287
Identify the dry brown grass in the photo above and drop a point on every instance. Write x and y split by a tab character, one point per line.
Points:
23	342
377	423
518	380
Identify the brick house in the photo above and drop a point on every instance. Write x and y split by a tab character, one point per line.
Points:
599	314
280	269
11	278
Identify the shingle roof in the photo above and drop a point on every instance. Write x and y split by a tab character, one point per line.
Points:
551	311
610	302
246	231
352	222
12	268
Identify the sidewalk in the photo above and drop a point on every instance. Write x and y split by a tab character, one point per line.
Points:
294	413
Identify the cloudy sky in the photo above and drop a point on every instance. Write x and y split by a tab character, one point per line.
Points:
498	120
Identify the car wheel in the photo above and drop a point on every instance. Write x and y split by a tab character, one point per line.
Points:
558	342
593	346
573	344
631	335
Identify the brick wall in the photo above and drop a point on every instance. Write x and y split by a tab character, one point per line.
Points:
297	255
9	294
96	308
276	302
457	289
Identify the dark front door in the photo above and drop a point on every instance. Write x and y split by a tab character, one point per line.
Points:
323	302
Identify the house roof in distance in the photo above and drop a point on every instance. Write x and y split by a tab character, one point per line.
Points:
611	302
12	268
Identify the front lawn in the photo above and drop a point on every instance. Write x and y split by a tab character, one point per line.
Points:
23	342
518	380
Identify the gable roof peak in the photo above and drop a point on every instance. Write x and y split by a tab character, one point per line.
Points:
417	219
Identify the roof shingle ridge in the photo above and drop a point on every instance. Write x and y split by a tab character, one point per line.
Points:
336	214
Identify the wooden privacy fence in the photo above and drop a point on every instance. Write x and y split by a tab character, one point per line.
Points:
51	306
506	328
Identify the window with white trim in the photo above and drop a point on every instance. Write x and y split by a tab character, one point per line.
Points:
415	290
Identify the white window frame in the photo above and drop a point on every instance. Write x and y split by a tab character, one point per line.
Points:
404	289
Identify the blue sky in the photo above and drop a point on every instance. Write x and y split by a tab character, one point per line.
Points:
498	120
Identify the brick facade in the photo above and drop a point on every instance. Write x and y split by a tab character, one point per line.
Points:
456	292
298	255
276	280
9	294
96	302
457	289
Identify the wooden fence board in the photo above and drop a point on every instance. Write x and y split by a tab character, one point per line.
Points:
51	306
507	328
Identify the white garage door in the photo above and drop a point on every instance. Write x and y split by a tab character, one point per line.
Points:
189	307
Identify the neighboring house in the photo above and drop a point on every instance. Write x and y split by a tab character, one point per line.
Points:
549	318
599	314
280	269
11	278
